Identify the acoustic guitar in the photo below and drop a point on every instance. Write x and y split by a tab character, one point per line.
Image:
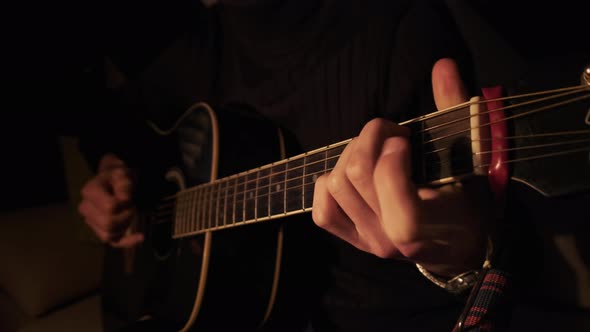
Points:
214	225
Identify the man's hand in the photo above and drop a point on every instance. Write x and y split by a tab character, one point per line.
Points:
107	203
370	201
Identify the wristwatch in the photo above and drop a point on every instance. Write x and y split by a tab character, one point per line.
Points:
463	281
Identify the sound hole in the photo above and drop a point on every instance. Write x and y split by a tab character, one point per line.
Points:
161	237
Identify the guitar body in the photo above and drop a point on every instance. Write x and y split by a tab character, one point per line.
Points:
553	192
553	177
220	281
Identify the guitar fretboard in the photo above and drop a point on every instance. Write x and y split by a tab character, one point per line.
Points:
272	191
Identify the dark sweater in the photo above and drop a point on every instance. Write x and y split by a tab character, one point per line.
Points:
320	69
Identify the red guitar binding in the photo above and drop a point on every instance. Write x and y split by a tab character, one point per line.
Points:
498	169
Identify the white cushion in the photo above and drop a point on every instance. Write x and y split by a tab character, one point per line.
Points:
42	262
81	316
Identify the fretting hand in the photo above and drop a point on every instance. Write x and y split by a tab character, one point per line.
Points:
370	201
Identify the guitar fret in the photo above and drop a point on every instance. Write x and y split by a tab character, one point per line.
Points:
178	218
315	166
202	208
212	205
256	198
285	189
277	189
203	211
191	209
250	196
262	193
184	214
235	199
303	182
217	204
189	212
268	199
225	203
244	199
197	209
294	185
239	206
180	214
206	201
227	196
243	203
210	208
191	216
175	216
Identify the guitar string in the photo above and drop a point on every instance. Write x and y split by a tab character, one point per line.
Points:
214	191
560	133
327	149
535	146
547	155
505	119
225	225
311	184
260	188
469	103
272	175
267	188
569	92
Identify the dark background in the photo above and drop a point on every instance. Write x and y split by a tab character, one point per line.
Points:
54	55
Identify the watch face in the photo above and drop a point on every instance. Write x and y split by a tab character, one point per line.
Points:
462	282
